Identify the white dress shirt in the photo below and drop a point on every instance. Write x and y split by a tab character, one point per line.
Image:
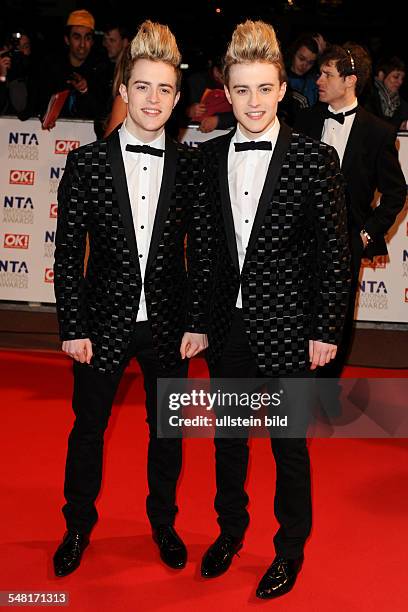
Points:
246	177
144	173
337	134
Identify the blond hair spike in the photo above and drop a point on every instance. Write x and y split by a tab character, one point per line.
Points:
253	41
156	42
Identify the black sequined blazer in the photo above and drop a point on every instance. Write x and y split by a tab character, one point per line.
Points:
296	274
102	305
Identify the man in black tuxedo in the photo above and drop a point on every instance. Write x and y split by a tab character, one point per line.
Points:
281	285
368	157
137	195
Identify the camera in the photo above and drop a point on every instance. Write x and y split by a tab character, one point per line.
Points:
15	43
12	45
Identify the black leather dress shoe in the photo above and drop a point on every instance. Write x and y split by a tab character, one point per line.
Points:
172	548
69	553
279	577
218	557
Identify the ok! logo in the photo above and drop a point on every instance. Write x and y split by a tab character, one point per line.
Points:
21	177
63	147
48	275
53	210
16	241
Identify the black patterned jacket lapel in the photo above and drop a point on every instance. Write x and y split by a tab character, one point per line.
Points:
167	186
272	176
121	188
226	200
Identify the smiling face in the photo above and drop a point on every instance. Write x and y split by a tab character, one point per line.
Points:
254	90
150	95
80	41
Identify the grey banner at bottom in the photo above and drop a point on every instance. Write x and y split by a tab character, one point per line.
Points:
283	407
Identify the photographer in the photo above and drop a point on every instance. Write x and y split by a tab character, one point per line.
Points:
16	76
5	63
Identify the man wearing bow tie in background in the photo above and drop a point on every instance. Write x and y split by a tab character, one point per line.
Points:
281	285
137	195
368	158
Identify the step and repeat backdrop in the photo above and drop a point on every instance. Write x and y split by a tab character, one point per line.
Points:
32	162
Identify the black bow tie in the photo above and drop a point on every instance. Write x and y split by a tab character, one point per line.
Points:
145	149
339	116
253	145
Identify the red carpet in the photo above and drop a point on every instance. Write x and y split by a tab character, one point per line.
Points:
355	560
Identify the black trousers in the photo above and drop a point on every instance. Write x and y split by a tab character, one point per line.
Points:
292	504
93	396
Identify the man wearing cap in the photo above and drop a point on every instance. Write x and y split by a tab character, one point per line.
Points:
76	70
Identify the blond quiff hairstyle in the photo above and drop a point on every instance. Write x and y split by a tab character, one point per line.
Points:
254	41
155	42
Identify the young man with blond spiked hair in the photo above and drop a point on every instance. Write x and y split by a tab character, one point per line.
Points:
137	195
281	286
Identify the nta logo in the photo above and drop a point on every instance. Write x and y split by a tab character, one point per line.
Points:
49	236
18	202
53	210
16	267
23	138
56	173
373	286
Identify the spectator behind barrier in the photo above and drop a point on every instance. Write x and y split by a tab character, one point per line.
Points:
196	110
302	69
119	108
385	100
78	70
116	41
16	75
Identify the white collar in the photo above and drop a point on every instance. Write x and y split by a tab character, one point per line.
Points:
271	134
129	138
345	109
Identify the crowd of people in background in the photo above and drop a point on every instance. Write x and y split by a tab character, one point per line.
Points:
91	67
